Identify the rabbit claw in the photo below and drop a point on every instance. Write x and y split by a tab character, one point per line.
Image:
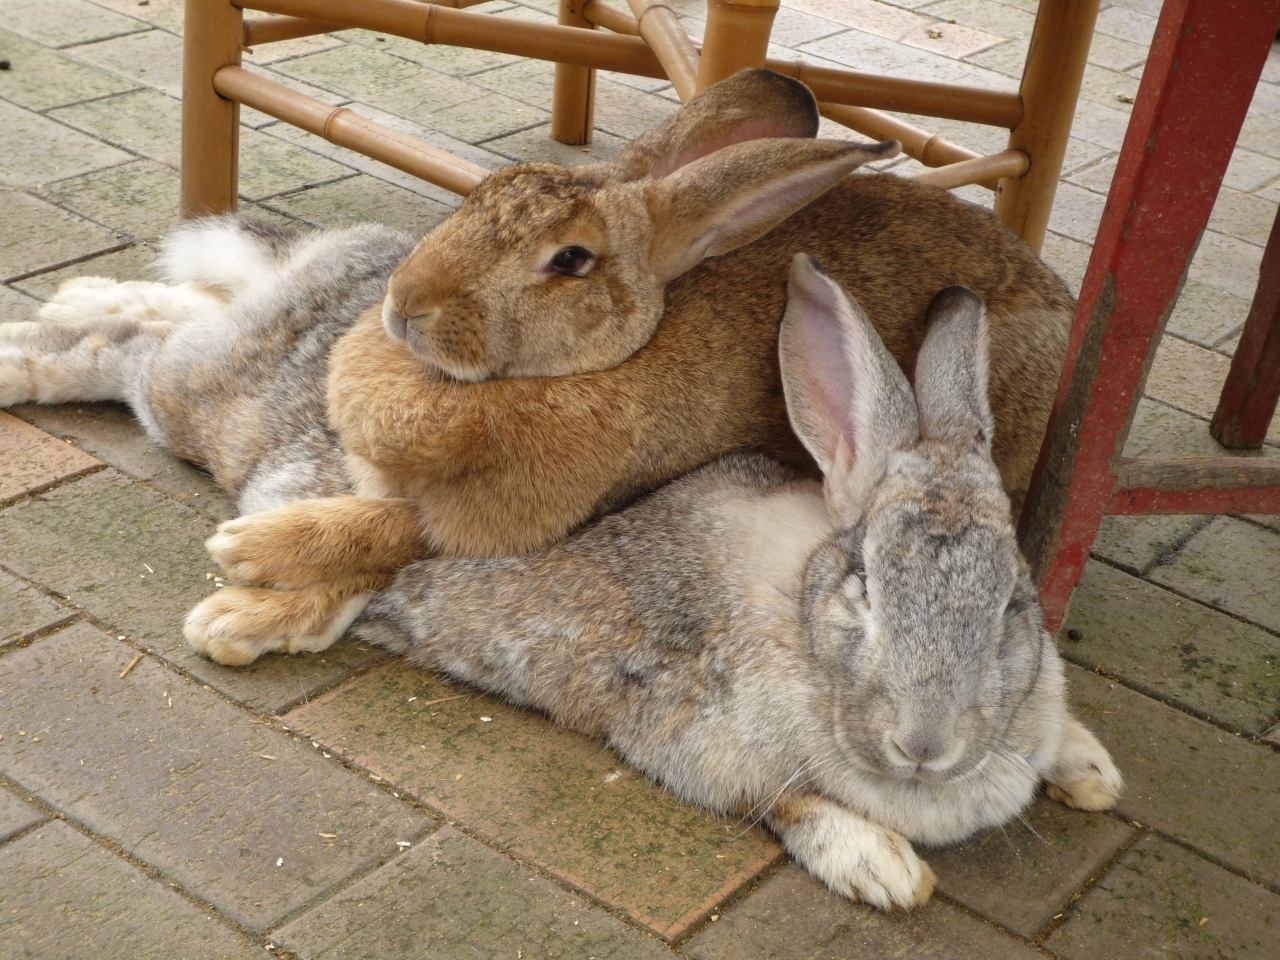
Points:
1084	776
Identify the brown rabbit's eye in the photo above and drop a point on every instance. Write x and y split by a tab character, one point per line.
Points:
572	261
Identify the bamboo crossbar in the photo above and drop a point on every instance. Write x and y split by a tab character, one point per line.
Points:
273	29
630	54
984	170
610	17
346	128
659	26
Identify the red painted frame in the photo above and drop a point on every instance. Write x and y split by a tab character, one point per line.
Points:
1201	73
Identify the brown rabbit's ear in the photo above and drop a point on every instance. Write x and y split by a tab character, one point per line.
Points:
750	105
738	194
848	400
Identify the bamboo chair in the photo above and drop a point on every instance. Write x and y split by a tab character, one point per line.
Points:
650	42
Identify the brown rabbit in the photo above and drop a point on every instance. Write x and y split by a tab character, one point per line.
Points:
570	339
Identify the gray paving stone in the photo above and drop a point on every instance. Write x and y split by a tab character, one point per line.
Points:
455	61
453	896
231	810
1205	315
1227	264
16	815
152	59
89	541
794	916
38	234
138	199
1211	789
1138	543
38	150
111	434
1232	565
59	23
1076	212
134	262
536	145
15	305
1022	874
1068	258
166	14
1175	648
24	610
270	166
288	49
360	199
1162	901
1127	25
487	117
66	898
145	121
39	78
1246	216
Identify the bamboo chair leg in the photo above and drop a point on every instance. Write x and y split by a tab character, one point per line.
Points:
573	102
737	37
1050	88
210	124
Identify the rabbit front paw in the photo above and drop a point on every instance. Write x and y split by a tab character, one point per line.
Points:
265	548
17	383
1083	776
853	856
237	624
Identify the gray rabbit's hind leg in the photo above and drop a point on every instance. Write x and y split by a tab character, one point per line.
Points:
853	856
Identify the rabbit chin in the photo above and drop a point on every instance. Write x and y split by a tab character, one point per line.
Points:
942	811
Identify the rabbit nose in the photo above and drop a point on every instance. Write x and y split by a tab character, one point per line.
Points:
935	750
393	321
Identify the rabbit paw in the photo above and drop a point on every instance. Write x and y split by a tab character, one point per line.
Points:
17	385
1083	776
260	548
851	855
237	625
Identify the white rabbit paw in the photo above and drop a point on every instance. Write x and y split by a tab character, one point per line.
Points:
851	855
93	298
1083	775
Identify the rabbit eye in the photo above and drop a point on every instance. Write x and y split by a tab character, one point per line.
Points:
572	261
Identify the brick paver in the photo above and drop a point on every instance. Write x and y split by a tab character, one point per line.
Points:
33	459
793	916
1211	789
1177	609
453	896
1160	900
241	815
16	815
66	898
562	801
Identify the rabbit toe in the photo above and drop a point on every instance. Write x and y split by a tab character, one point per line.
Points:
249	548
16	383
215	628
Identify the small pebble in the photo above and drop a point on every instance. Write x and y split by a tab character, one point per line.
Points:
1074	635
4	63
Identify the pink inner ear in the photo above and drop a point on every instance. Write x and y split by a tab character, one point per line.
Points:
760	128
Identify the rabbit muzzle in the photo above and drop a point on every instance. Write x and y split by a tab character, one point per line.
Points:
444	335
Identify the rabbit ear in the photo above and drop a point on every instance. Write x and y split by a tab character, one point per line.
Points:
740	193
951	370
848	400
749	105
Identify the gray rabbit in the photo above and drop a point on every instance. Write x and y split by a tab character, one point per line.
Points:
860	664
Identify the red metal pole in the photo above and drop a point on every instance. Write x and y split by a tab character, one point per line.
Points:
1248	400
1200	76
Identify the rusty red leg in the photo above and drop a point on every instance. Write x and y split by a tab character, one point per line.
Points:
1248	400
1201	73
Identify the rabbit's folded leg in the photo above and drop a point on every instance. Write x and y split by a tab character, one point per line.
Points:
84	299
1083	775
100	359
237	624
850	854
314	541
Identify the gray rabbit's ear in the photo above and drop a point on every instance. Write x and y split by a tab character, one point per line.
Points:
749	105
952	371
847	398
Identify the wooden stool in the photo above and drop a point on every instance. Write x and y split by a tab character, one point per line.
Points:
648	41
1200	77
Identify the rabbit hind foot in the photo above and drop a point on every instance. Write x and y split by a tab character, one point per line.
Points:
239	624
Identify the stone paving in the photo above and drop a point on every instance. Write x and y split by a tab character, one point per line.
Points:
344	805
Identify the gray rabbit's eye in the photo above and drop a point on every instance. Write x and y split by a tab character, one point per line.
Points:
573	261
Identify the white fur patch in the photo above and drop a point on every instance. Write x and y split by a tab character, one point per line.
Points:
344	618
85	299
217	255
770	539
